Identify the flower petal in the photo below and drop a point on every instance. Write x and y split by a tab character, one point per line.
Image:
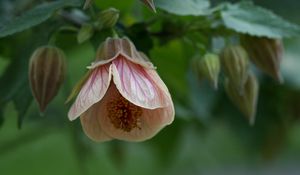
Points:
138	85
92	91
150	123
113	47
91	126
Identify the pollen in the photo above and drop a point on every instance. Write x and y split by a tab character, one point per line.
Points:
123	114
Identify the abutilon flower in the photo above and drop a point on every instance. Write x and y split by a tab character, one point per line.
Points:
123	97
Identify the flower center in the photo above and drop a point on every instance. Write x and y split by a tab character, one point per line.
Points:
123	114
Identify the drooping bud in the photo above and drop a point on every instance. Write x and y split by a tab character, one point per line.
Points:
246	102
265	53
209	68
108	18
150	4
46	74
235	64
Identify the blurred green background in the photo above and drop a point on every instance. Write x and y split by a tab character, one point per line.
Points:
209	135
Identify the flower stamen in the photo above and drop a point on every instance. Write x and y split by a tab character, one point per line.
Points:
123	114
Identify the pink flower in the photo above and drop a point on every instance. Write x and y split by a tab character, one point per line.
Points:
123	97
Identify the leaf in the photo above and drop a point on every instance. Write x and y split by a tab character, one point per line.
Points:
14	80
15	87
1	118
85	33
22	101
34	16
184	7
247	18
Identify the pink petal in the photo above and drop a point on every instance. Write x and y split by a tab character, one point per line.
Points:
113	47
139	85
91	126
92	91
151	121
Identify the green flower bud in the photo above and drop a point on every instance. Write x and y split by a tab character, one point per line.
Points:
208	67
265	53
235	64
109	17
46	74
246	102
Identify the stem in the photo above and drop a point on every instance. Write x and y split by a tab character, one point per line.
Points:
52	39
115	34
93	12
25	139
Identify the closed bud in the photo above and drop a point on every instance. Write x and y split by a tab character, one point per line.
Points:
46	74
109	17
208	67
265	53
246	102
150	4
235	64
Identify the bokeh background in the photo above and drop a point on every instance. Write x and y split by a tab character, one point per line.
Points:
209	135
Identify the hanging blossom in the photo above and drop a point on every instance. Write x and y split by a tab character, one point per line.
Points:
123	97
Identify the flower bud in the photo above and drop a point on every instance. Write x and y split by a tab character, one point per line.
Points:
246	102
265	53
235	63
46	74
208	67
109	17
150	4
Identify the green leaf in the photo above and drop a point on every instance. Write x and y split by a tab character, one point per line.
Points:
15	87
22	101
253	20
184	7
1	118
34	16
14	80
85	33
